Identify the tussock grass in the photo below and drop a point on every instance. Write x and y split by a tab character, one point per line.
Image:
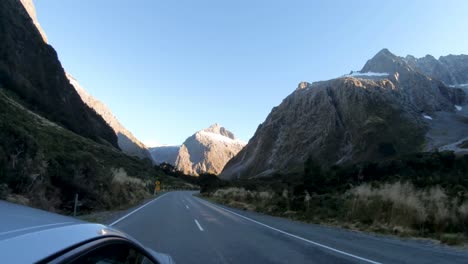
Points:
245	199
121	176
402	204
398	208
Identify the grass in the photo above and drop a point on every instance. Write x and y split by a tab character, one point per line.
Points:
397	208
452	239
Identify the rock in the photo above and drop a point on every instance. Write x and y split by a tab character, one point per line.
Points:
31	9
451	69
127	142
30	69
348	119
207	151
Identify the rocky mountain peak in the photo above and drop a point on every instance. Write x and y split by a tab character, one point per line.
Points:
386	62
208	150
430	57
451	69
218	129
390	107
302	85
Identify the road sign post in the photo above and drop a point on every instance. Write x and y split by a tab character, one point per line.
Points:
157	187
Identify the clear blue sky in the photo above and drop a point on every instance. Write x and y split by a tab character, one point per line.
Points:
170	68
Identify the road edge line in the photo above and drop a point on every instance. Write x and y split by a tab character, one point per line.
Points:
136	210
291	235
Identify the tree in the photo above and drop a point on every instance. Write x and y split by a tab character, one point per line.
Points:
209	182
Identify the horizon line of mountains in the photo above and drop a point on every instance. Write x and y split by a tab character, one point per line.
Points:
392	106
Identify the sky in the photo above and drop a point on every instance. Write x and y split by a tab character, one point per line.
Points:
169	68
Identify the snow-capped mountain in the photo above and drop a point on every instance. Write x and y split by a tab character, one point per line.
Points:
390	107
206	151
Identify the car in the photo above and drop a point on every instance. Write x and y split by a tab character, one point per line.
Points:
29	235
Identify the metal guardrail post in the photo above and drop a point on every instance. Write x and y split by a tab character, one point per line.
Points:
76	205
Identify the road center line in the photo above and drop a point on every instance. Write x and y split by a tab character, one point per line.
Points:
198	224
136	210
289	234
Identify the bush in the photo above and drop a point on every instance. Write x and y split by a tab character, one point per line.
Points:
452	239
402	204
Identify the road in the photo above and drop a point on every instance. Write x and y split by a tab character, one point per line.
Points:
193	230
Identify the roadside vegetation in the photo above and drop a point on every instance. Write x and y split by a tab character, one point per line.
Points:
44	165
418	195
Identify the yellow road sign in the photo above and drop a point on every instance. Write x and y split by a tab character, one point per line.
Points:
158	183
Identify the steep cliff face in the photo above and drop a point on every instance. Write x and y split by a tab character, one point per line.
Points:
31	9
30	69
125	139
208	151
386	109
52	145
127	142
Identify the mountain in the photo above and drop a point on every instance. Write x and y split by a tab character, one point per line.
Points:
31	70
31	9
388	108
451	69
206	151
164	154
127	142
52	145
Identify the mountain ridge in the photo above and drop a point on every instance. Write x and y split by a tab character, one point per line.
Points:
30	68
206	151
127	142
386	109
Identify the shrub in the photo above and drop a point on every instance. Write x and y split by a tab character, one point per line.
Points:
402	204
452	239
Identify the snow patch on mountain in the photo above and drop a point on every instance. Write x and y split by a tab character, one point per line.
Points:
220	138
463	85
367	74
208	151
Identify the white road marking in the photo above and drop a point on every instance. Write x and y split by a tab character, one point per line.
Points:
198	224
187	206
136	210
291	235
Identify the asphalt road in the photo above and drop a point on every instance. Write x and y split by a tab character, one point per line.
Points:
193	230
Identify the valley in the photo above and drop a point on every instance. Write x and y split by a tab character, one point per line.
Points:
365	167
